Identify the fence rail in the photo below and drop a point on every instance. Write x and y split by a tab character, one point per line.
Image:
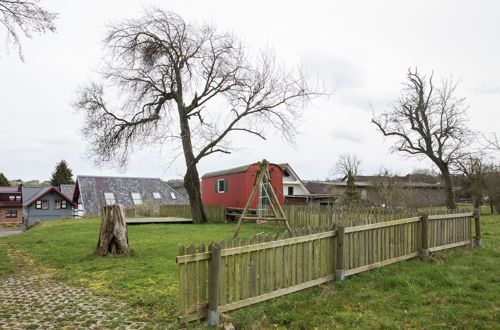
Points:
265	267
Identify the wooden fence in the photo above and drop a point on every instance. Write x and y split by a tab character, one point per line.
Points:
249	271
215	213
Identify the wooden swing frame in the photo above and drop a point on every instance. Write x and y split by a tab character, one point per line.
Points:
279	214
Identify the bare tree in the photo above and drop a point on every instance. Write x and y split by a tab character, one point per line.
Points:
24	18
188	85
492	142
473	170
428	121
347	163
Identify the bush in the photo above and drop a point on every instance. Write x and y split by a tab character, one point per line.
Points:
147	208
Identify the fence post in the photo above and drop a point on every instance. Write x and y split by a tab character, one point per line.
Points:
340	267
213	286
425	234
477	220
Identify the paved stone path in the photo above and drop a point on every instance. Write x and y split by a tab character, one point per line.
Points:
10	232
38	302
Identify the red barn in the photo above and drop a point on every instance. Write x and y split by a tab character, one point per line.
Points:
233	187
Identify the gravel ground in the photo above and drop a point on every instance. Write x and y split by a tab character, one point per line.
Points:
39	302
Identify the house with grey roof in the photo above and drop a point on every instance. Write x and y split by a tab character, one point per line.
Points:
45	203
93	192
68	190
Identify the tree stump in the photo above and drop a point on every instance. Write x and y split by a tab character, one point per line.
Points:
113	236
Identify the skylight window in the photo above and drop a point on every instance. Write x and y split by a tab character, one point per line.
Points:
156	195
109	197
136	198
172	195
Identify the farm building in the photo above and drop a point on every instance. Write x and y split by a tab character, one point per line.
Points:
232	187
294	190
45	203
401	191
94	192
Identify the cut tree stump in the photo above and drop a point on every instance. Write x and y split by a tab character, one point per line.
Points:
113	236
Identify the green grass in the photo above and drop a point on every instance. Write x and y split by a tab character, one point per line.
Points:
457	289
147	280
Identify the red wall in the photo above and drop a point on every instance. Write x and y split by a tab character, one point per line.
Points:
239	187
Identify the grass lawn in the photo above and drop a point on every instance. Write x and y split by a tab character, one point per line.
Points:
147	280
458	289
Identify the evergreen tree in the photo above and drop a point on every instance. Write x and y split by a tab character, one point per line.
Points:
351	195
3	180
62	174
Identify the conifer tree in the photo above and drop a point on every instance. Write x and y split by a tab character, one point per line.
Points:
3	181
351	195
62	174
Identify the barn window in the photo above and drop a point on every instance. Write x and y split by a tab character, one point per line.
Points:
290	191
221	186
136	198
11	214
156	195
172	195
109	197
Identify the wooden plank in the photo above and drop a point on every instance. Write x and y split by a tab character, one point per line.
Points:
245	272
254	269
286	266
381	224
182	283
380	264
230	273
191	279
278	279
449	246
223	276
450	216
202	277
256	247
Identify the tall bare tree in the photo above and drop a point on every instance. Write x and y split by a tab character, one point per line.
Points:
24	18
170	81
347	163
428	121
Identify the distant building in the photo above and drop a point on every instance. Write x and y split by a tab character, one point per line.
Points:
93	192
45	203
294	190
232	187
11	207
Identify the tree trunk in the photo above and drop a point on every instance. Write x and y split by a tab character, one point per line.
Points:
450	200
191	179
113	236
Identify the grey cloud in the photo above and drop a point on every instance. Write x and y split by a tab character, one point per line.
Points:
347	135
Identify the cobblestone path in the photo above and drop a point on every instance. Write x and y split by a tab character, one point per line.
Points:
38	302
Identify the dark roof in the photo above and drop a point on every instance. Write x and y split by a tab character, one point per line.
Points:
8	189
318	187
68	190
325	187
32	194
90	191
239	169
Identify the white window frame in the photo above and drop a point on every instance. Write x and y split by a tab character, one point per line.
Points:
57	204
38	205
136	198
219	191
108	199
64	204
45	204
156	195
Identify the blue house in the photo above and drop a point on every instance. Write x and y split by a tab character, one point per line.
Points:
45	203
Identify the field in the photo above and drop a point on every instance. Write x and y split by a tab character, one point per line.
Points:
458	289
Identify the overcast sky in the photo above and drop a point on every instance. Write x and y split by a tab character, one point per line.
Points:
362	49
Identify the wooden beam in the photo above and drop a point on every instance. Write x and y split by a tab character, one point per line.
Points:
449	246
450	216
381	225
380	264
